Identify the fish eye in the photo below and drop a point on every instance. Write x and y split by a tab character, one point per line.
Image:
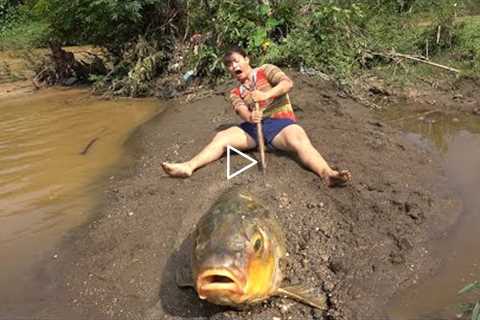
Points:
257	245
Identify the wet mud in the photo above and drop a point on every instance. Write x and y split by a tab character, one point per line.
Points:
358	244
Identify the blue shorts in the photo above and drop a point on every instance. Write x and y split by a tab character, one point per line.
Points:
271	127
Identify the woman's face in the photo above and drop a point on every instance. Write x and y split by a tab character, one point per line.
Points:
239	67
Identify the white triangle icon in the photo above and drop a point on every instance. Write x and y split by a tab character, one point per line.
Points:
248	166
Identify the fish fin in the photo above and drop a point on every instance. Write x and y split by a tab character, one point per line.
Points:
183	277
304	295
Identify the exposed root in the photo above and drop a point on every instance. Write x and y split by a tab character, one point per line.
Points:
61	67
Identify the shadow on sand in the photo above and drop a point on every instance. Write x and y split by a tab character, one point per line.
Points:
180	302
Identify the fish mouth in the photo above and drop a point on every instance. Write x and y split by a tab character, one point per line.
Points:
219	282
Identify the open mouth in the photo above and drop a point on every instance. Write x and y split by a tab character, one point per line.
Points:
218	282
238	72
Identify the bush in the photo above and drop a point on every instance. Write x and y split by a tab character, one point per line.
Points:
20	29
238	22
294	33
468	38
110	23
328	37
332	36
24	35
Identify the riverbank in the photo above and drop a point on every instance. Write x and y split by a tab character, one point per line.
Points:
358	244
15	89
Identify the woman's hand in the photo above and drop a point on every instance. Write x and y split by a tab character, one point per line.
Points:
256	116
258	95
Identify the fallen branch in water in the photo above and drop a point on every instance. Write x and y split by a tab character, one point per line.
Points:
89	145
394	54
415	116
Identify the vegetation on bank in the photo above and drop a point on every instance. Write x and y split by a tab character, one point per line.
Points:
148	39
471	308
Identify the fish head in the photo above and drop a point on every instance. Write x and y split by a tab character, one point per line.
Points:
238	263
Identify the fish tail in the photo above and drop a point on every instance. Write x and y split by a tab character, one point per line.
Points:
304	295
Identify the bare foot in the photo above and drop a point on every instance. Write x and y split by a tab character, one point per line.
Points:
338	178
181	170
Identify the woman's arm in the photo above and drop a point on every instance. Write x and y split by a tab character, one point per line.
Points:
284	86
280	82
247	115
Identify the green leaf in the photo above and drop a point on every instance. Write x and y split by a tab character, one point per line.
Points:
469	287
271	23
259	36
476	311
264	9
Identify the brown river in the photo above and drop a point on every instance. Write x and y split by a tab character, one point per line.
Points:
56	147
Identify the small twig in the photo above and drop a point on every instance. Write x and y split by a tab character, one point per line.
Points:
187	28
169	20
415	116
405	68
89	145
438	34
426	49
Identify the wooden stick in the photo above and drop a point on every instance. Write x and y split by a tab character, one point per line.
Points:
261	145
89	145
407	56
426	49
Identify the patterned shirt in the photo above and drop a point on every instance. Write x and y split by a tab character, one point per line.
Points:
265	77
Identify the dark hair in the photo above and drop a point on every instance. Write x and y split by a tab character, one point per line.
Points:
227	57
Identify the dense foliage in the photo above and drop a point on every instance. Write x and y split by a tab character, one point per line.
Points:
109	23
332	36
19	28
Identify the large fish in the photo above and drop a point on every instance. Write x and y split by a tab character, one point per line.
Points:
236	256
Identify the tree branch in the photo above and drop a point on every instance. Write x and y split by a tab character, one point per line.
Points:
410	57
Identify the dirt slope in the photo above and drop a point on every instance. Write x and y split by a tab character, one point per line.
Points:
359	244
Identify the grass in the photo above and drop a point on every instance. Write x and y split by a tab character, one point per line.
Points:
472	308
23	34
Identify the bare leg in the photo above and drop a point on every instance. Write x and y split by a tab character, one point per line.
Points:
293	138
233	136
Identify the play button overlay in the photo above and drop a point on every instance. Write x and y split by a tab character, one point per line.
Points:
248	166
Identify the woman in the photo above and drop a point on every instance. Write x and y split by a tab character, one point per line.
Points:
269	86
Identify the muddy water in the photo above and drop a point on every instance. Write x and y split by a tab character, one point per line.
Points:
56	148
457	136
